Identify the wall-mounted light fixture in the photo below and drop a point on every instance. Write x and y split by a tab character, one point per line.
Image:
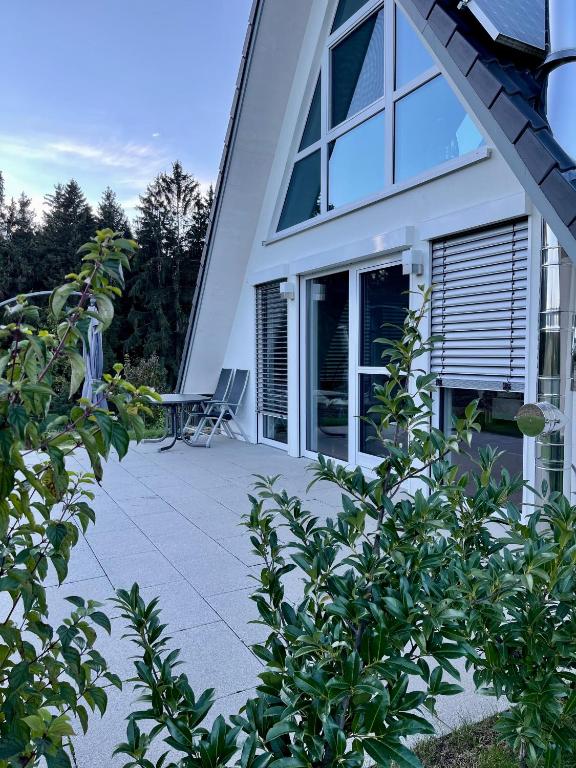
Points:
412	262
287	291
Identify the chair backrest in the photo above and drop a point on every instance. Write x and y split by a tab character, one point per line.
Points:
237	389
223	384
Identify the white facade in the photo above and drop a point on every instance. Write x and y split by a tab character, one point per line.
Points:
399	223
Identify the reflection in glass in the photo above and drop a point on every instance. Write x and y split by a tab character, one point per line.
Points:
313	123
411	57
431	128
303	196
383	305
275	428
358	69
327	365
346	9
356	163
499	429
370	442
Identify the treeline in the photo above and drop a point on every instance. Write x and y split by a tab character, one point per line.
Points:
170	227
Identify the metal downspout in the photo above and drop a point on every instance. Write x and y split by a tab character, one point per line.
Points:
547	420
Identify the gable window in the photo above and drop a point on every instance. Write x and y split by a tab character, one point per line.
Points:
380	114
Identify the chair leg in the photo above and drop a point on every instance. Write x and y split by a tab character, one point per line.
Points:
237	423
214	428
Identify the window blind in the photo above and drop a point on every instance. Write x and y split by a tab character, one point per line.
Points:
271	350
479	308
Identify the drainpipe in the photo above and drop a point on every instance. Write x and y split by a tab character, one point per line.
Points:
547	420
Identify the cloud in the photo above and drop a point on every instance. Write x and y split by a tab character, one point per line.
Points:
155	135
141	158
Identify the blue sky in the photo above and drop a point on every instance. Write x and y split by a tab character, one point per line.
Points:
110	92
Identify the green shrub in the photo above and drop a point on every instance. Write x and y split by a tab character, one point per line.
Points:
50	674
148	371
422	568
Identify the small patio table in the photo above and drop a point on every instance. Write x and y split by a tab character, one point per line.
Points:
175	404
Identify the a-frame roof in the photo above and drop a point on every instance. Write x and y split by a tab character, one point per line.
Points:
502	86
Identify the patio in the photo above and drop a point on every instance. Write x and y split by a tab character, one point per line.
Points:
170	522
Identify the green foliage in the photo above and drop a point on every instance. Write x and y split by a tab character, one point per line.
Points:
148	371
423	570
49	674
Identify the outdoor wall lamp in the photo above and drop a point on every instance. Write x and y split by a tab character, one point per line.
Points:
412	262
288	291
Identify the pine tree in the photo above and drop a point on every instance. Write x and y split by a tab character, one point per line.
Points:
170	229
68	222
111	215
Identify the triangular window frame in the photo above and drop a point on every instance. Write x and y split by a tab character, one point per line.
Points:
334	160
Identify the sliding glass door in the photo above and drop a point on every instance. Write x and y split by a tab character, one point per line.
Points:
327	371
383	301
343	315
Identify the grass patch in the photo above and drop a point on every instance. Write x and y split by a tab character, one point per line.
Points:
473	745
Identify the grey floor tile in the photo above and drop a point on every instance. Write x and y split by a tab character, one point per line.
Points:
182	607
115	543
219	524
238	610
134	508
241	547
215	658
164	524
215	574
147	569
83	565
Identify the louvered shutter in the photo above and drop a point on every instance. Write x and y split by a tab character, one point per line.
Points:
479	307
271	350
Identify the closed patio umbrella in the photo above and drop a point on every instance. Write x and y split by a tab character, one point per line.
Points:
93	363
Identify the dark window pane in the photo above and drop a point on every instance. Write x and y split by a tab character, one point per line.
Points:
313	123
327	365
356	163
303	197
358	69
499	429
411	57
383	299
370	441
346	9
431	128
275	428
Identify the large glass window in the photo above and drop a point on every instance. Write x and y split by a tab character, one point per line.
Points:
346	9
499	429
313	127
356	163
358	69
327	365
303	197
432	127
360	137
411	57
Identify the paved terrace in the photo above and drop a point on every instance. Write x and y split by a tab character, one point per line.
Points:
171	522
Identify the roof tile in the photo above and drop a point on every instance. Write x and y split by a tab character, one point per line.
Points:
565	161
561	194
442	24
485	82
537	158
463	53
513	114
424	6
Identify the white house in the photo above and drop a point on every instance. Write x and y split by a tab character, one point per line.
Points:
374	146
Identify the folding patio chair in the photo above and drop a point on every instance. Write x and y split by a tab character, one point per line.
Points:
222	414
220	394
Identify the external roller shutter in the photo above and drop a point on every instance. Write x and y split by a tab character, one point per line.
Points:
271	350
479	308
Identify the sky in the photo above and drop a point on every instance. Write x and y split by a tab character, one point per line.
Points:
111	92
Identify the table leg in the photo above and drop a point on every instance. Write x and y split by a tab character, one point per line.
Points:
174	412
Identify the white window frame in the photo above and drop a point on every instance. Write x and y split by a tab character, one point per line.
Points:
386	105
367	461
